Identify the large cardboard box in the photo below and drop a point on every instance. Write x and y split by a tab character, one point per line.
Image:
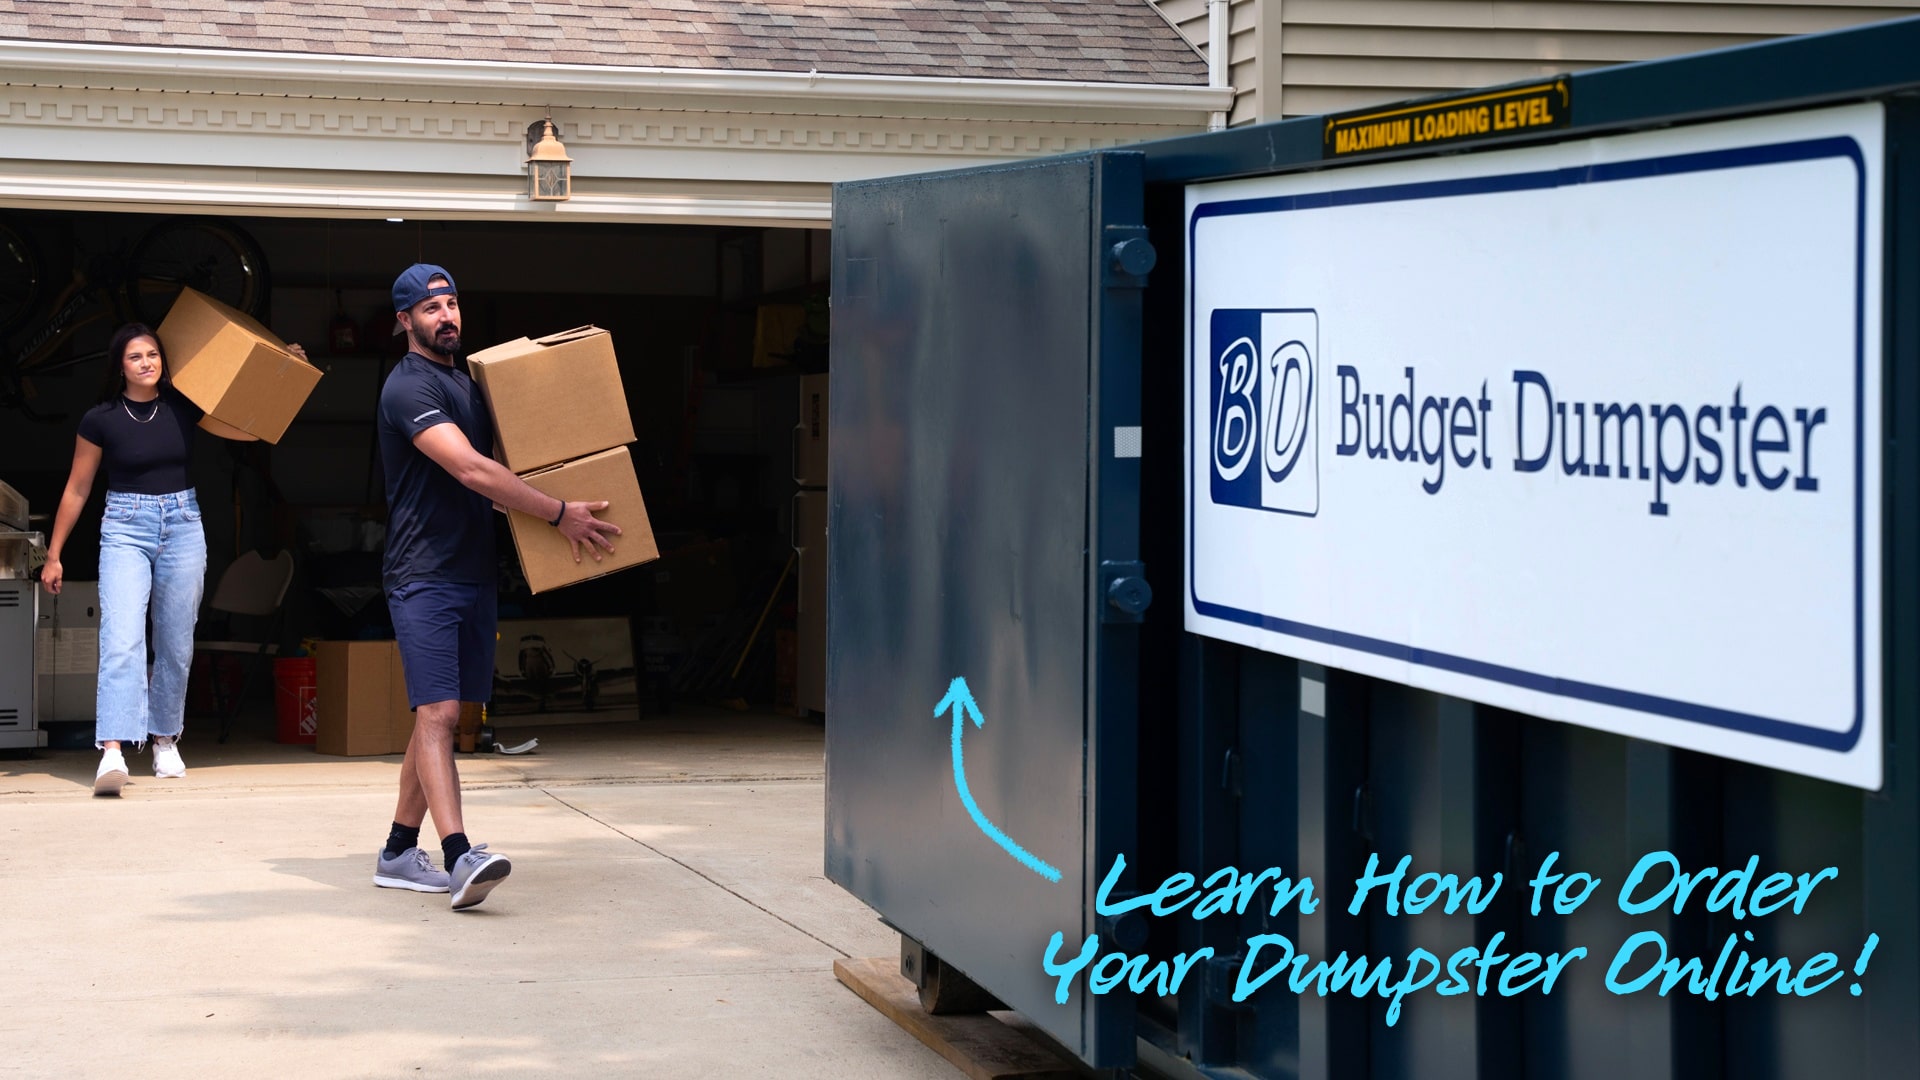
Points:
554	398
235	369
13	509
545	556
360	700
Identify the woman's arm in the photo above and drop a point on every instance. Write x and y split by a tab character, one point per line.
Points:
86	462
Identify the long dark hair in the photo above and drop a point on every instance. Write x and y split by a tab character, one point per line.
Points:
116	383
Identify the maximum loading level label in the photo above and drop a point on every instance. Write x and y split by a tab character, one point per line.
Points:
1500	112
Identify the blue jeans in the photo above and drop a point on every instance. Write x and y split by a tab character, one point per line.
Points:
153	561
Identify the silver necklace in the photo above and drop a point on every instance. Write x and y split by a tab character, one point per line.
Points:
135	419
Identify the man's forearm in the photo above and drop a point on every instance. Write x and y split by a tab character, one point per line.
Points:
497	482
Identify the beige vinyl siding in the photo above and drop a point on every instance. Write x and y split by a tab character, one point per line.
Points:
1191	17
1301	57
1250	68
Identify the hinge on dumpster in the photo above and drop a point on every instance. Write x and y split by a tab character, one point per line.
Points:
1230	775
1126	931
1223	975
1129	257
1124	585
1516	854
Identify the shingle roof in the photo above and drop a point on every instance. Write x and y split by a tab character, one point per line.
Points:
1081	40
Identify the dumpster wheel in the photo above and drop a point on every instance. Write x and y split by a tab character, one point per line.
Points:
944	991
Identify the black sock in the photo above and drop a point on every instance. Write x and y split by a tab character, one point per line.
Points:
401	838
452	846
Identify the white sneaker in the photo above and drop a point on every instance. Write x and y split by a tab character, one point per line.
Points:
112	774
166	759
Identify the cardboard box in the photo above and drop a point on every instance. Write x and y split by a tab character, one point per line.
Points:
360	700
545	556
553	399
13	509
235	369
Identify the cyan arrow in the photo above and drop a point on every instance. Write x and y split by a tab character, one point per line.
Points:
960	699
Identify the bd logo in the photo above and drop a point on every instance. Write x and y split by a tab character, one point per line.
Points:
1265	428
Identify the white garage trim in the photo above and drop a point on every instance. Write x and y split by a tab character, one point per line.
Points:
290	134
810	208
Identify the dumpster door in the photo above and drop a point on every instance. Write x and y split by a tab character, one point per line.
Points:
984	489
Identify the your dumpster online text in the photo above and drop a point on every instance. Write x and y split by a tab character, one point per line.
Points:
1657	885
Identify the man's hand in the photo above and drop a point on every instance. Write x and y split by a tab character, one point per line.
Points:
50	576
580	527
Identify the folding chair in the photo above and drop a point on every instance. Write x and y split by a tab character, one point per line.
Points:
253	587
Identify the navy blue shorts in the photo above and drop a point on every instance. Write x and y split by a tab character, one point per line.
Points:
446	633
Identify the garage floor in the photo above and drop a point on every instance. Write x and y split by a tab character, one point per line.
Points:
667	916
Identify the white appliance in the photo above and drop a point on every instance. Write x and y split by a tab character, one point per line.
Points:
67	653
19	617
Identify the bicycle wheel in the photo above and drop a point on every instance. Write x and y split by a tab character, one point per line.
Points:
20	279
206	254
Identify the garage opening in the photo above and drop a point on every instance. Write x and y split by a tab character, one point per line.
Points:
721	333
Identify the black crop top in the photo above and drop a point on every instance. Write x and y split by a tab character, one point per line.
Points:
143	456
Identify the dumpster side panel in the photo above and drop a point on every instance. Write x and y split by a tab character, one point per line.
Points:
1891	824
1259	759
965	326
1597	802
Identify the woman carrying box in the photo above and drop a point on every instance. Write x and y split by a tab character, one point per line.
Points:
153	552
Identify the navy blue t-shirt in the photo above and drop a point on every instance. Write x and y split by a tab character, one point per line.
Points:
144	444
438	529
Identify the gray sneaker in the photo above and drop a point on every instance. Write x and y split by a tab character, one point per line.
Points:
475	874
411	869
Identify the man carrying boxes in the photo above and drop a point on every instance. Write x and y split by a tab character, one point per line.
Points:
436	441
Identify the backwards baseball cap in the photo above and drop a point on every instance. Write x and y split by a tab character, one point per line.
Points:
411	286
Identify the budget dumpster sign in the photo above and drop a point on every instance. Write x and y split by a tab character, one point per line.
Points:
1589	431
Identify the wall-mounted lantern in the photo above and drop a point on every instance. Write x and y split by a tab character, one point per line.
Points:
549	169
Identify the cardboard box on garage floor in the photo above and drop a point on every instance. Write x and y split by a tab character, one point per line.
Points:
554	398
235	369
545	556
360	700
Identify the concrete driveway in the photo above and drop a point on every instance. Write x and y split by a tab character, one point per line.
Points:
667	916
